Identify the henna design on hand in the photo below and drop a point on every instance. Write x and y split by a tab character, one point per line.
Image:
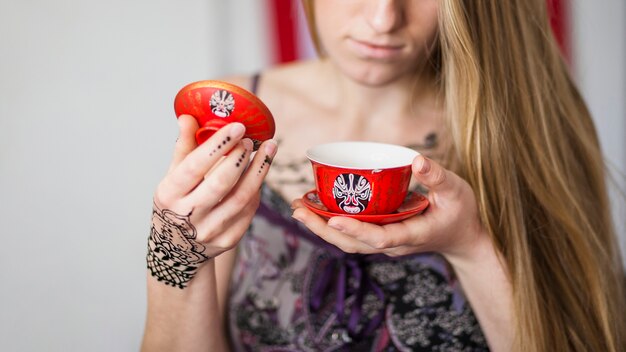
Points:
267	161
174	256
243	155
220	146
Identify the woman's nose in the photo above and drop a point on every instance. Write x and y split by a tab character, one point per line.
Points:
385	15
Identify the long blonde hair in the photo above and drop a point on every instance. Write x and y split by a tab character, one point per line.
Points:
527	145
524	140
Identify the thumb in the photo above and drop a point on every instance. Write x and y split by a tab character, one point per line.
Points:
430	174
186	141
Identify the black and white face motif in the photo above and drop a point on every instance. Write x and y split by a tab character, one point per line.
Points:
222	103
352	193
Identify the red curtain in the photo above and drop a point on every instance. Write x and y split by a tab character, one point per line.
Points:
284	30
560	20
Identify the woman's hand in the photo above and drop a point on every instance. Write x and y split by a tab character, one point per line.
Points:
450	225
206	201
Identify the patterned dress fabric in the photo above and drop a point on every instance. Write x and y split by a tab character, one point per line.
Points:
291	291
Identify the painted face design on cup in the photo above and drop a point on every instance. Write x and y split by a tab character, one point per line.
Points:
352	193
222	103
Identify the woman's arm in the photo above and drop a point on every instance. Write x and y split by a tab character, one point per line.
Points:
202	208
483	276
185	320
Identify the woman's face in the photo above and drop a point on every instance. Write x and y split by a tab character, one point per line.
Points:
376	41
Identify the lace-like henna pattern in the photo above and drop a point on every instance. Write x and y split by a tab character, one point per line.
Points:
174	256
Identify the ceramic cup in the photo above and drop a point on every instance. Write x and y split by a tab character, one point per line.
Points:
361	177
215	104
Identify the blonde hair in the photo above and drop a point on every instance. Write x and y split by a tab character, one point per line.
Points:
524	140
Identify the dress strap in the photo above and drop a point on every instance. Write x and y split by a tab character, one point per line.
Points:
255	83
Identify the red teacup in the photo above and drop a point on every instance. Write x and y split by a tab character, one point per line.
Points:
215	104
361	177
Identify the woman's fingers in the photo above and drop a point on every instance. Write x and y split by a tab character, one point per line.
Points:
375	236
319	226
258	168
246	191
186	141
415	233
440	182
356	236
222	178
338	231
225	232
193	168
244	194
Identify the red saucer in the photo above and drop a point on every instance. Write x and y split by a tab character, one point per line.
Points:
414	204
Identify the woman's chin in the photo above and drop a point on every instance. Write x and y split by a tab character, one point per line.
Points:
377	80
375	75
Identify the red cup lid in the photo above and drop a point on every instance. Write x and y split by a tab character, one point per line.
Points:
215	104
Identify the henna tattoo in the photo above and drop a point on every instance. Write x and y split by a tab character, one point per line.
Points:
267	161
174	256
241	158
219	146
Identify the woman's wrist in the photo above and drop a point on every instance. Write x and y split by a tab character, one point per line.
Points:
185	320
479	249
483	274
174	254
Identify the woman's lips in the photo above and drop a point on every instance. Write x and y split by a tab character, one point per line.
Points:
371	50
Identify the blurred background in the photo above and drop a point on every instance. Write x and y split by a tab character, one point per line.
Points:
87	129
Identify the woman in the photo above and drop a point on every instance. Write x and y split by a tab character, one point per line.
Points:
516	251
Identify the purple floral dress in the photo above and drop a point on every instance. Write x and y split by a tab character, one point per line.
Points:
291	291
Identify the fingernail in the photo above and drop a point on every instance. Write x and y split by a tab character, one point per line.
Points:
425	167
247	143
296	217
336	227
270	148
237	130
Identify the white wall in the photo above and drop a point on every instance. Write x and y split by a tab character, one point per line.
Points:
86	131
600	67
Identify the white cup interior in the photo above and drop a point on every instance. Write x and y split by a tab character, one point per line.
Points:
361	155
